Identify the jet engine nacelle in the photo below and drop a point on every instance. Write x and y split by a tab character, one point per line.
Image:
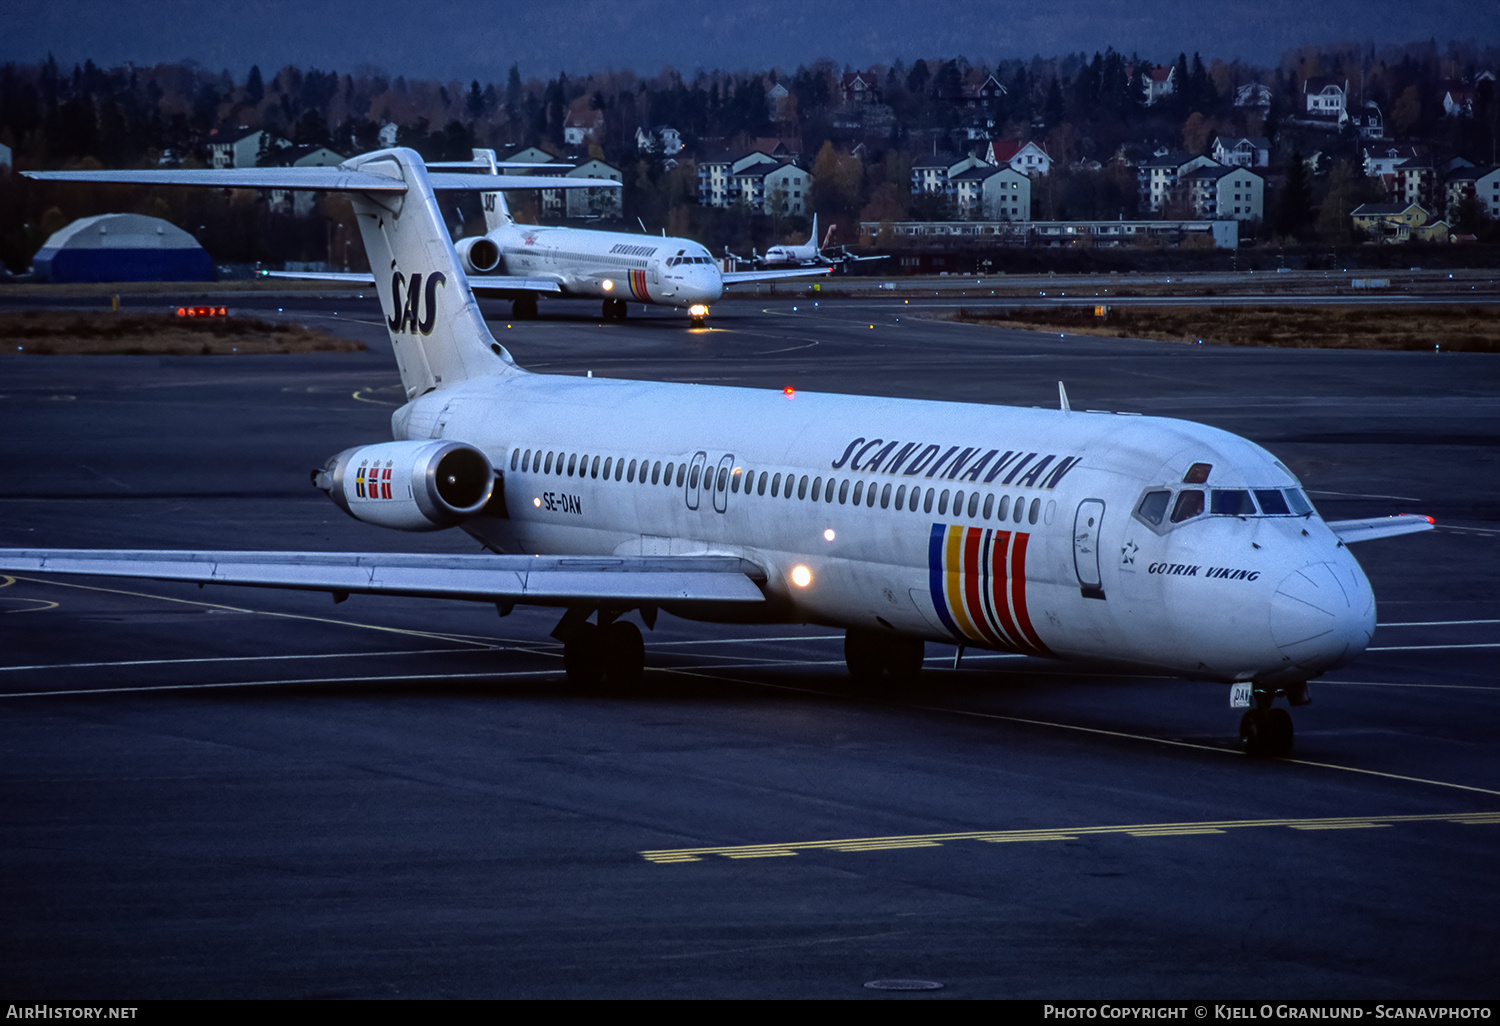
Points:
479	255
411	486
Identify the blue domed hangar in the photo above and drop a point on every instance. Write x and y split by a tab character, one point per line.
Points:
122	247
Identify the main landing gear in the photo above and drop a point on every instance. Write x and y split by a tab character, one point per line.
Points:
523	308
615	309
877	657
611	651
1266	732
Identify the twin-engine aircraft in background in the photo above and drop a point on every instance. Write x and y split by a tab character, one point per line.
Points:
810	253
522	262
1152	542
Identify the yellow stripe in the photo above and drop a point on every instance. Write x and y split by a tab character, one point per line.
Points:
953	584
854	844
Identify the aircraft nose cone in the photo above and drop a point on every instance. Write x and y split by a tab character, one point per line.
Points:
1323	615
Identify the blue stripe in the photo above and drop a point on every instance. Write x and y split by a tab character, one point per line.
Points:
935	549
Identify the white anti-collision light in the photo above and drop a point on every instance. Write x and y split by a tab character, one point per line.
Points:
537	502
801	576
828	534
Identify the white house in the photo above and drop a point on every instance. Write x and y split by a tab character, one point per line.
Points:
1028	158
1157	177
663	139
1326	97
581	127
1253	95
594	202
1483	183
1242	152
786	190
241	147
1217	192
986	193
1157	83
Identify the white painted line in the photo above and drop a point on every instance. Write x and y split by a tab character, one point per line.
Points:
1434	623
1427	648
243	659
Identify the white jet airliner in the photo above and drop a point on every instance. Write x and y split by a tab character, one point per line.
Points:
1153	542
523	261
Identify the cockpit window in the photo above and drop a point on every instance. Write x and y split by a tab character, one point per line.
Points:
1271	501
1233	502
1298	502
1197	473
1153	506
1189	505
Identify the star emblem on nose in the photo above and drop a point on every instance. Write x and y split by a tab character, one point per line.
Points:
1127	553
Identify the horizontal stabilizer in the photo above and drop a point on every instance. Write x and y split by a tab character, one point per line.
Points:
1351	531
478	282
321	179
527	579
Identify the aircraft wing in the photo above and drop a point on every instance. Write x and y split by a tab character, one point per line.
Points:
322	179
1351	531
478	282
544	580
743	277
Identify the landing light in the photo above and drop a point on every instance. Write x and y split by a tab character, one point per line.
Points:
609	285
537	503
698	310
801	576
828	534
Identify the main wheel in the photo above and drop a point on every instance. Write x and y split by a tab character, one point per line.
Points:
581	656
622	652
523	308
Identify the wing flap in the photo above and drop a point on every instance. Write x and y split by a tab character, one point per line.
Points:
745	277
538	579
1351	531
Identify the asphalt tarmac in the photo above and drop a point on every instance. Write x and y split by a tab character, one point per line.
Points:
220	793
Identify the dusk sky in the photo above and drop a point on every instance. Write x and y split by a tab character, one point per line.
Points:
465	39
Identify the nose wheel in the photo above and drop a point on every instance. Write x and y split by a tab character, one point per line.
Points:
1266	733
615	309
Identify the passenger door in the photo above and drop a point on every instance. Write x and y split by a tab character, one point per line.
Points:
695	479
1086	526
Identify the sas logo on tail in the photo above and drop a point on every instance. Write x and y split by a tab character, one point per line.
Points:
418	311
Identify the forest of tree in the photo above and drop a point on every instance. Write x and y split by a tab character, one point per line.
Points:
1088	111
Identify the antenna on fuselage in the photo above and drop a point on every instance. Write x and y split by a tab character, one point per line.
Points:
1062	398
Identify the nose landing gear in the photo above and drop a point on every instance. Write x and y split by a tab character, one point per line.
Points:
1266	732
615	309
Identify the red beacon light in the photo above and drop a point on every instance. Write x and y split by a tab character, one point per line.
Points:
788	391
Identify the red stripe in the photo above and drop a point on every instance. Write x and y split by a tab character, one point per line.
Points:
1018	591
999	557
973	581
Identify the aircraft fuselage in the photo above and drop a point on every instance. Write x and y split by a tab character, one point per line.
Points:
612	265
1040	532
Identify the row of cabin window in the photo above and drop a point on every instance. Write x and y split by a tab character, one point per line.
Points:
570	464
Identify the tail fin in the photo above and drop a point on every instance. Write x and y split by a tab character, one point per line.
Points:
827	238
437	332
496	213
